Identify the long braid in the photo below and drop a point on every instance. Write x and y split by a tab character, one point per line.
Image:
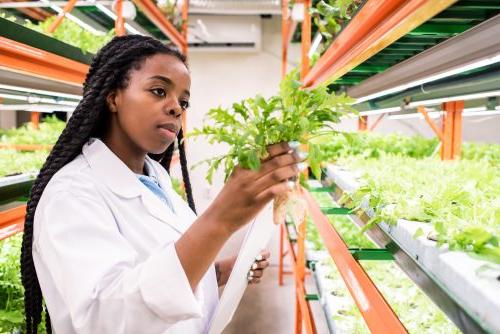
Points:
185	172
109	71
167	159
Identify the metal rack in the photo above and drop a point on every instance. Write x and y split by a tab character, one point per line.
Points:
447	277
381	31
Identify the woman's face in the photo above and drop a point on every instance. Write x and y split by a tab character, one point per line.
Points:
149	110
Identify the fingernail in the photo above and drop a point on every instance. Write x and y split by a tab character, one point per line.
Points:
254	266
291	186
258	258
250	273
290	151
294	144
302	166
303	155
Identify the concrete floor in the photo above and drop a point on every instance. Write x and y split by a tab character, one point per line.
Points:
269	308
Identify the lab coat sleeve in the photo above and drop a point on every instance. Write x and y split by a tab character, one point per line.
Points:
104	287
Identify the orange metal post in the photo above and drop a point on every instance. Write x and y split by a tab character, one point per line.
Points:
452	130
18	57
285	19
457	130
447	152
362	123
69	6
301	258
156	16
119	22
378	315
306	39
303	315
281	254
35	119
185	10
377	122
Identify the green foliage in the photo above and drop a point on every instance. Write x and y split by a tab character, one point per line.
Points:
255	123
460	199
47	134
332	147
371	145
71	33
486	152
178	187
11	289
15	162
417	313
330	15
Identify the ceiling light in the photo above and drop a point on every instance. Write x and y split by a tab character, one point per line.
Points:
40	91
461	69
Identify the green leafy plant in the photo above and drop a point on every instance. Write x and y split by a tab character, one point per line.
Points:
11	289
330	15
250	126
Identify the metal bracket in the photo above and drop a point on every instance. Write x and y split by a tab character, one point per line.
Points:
378	254
336	211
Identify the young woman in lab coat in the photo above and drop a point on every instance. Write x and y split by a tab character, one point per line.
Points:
109	244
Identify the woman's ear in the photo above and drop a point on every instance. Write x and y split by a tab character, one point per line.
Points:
111	102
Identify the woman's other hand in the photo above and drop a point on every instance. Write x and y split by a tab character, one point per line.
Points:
257	269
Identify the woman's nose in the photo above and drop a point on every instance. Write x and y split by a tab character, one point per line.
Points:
174	108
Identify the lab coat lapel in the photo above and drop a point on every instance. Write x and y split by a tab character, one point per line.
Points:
110	170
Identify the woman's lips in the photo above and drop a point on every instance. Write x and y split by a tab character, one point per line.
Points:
168	130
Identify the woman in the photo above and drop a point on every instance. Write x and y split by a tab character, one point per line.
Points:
114	248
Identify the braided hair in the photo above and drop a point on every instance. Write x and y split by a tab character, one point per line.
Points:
109	71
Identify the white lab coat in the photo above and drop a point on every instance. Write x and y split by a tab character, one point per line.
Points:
104	253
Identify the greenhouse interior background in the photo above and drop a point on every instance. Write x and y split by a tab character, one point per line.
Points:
403	221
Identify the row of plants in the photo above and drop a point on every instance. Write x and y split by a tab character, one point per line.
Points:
372	145
460	200
14	162
415	310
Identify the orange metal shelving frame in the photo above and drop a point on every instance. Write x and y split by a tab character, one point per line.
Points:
26	147
21	58
378	315
12	221
377	25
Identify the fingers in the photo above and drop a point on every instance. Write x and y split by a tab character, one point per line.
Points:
257	270
272	192
264	255
277	149
279	161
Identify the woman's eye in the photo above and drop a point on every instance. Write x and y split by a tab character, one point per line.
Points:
159	92
184	104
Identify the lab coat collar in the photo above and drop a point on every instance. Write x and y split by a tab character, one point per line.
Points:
124	183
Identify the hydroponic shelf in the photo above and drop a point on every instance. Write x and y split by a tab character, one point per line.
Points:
465	288
14	187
